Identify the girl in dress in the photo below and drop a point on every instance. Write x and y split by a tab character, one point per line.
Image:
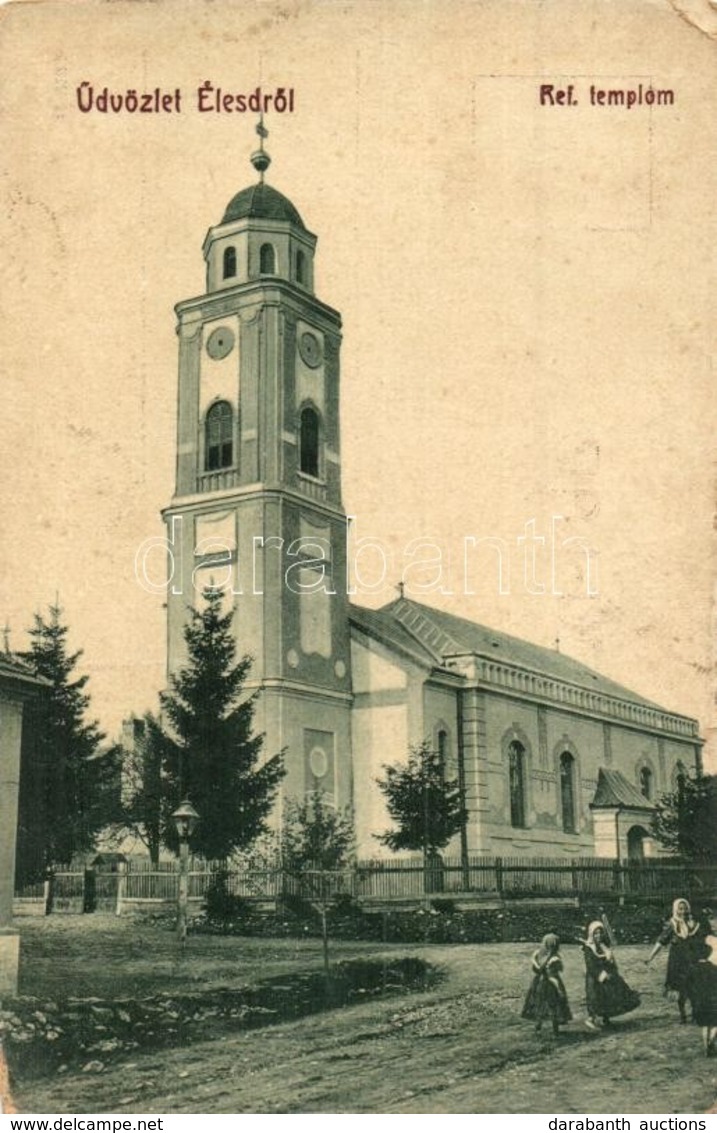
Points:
606	992
547	998
684	935
702	991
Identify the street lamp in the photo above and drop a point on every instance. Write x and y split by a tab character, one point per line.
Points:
185	819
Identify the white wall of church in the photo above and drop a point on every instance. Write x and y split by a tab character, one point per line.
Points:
378	735
673	754
631	751
440	713
372	671
627	750
583	738
388	717
397	704
508	719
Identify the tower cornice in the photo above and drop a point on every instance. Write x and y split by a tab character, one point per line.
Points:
207	501
285	293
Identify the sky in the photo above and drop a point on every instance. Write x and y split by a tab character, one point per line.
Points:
525	290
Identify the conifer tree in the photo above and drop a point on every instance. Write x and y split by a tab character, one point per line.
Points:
68	784
214	759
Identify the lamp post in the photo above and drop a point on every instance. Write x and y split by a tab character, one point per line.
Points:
185	819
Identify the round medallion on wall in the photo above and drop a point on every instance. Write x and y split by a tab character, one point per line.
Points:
340	670
293	658
318	762
310	349
220	342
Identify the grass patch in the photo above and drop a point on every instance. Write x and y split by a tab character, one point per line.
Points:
46	1037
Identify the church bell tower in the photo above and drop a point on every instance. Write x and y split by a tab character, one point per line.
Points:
257	508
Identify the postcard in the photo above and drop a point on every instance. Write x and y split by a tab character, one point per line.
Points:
393	324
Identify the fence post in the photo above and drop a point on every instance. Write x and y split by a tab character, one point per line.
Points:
574	878
89	891
619	876
499	876
47	893
121	887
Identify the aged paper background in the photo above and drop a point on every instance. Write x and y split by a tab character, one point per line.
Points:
526	293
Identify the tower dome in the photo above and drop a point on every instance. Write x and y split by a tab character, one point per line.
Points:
261	202
260	236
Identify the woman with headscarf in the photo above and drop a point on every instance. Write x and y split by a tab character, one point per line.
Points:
702	991
684	935
606	992
547	997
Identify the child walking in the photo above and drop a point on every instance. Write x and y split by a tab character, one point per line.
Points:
606	992
547	998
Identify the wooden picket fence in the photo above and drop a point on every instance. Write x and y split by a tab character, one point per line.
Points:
138	884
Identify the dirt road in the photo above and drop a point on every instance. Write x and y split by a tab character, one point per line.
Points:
461	1048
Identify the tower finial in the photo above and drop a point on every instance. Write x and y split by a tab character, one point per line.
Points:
260	159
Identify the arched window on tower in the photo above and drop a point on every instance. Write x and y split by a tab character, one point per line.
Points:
646	783
267	259
219	428
300	267
309	442
567	792
230	262
516	774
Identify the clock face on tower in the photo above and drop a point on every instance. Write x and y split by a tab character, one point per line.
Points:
220	342
310	349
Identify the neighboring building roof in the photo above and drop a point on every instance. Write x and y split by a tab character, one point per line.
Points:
446	635
261	202
614	790
17	671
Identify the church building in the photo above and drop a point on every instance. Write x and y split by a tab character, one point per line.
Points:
554	759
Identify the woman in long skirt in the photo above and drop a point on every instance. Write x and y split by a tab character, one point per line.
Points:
547	997
684	935
606	992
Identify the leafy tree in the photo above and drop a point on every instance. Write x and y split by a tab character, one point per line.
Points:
315	834
426	807
144	796
212	757
316	839
68	784
685	820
